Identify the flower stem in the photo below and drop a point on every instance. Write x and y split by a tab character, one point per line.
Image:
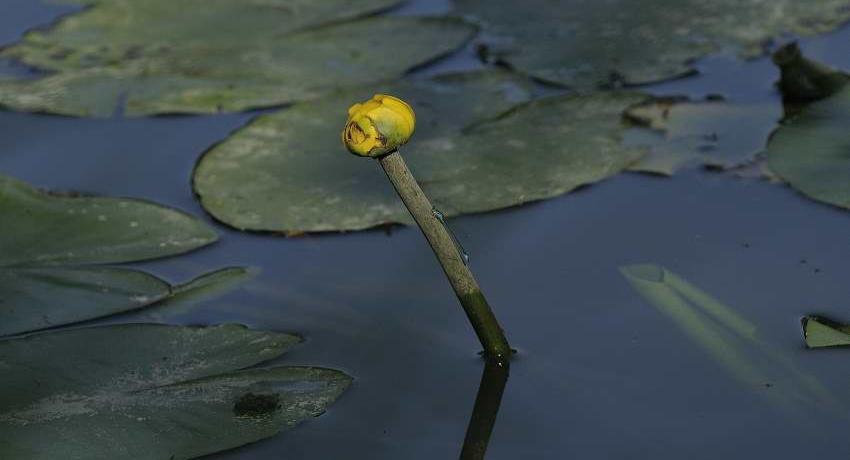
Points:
496	347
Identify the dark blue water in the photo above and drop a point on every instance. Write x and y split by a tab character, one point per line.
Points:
599	375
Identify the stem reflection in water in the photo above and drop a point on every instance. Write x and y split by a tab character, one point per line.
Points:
487	403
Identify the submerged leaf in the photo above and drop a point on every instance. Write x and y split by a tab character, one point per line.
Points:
207	56
730	339
588	43
289	172
152	392
717	134
821	332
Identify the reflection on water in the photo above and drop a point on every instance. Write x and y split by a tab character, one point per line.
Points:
483	419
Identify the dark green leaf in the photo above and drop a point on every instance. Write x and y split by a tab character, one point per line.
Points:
206	56
39	298
46	229
587	43
289	172
810	150
151	392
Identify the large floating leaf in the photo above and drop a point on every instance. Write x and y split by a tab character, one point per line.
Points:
714	133
38	298
44	238
810	150
821	332
729	338
151	392
47	229
289	172
203	56
587	43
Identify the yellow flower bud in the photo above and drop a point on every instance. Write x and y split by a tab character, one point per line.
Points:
378	126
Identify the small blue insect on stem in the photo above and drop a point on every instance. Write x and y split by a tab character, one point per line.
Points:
442	218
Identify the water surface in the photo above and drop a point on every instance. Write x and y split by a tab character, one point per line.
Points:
599	374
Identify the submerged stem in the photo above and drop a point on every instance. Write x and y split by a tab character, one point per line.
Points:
451	259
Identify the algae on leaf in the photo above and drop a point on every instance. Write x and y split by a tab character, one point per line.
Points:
207	56
154	392
590	43
474	150
47	239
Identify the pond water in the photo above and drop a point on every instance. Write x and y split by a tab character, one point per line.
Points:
599	373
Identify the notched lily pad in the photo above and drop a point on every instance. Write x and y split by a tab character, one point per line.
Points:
194	56
153	392
47	239
288	171
821	332
586	44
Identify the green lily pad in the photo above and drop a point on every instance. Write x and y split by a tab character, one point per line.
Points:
713	133
821	332
39	298
36	298
202	56
289	172
41	228
586	44
46	240
152	392
810	150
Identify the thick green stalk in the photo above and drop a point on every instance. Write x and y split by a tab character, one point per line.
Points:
454	265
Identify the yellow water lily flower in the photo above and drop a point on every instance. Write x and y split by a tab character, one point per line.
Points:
378	126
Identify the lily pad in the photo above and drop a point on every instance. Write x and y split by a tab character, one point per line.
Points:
821	332
810	150
46	240
288	171
586	44
203	56
154	392
714	133
39	298
36	298
41	228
